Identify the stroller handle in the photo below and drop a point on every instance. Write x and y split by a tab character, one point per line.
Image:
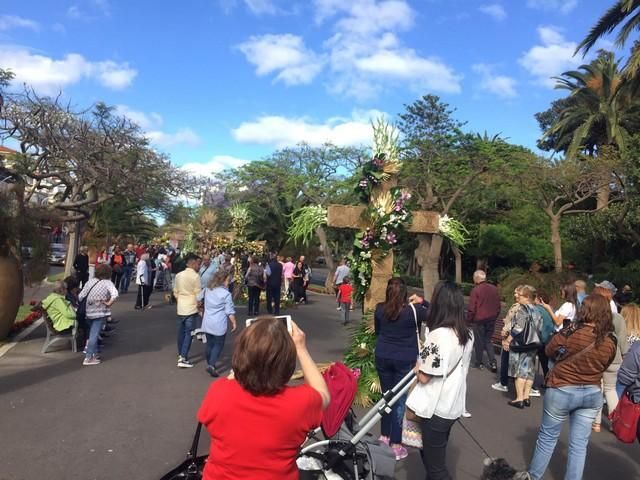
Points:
389	397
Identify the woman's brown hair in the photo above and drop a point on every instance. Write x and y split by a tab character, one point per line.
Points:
264	357
103	272
597	311
395	299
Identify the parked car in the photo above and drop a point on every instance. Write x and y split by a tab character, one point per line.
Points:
57	253
321	261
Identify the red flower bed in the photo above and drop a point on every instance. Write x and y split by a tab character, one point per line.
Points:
36	313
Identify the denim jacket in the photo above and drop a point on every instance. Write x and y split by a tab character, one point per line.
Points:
629	373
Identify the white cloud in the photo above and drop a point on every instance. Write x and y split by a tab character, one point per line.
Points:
183	136
279	131
151	124
146	121
285	54
405	64
494	10
367	16
48	75
499	85
554	57
562	6
9	22
217	164
364	55
259	7
113	75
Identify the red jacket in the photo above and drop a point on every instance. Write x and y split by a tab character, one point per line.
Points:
484	303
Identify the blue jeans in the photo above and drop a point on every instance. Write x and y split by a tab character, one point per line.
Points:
391	372
126	278
186	323
578	403
95	325
215	344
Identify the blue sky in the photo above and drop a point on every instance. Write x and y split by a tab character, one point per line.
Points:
218	82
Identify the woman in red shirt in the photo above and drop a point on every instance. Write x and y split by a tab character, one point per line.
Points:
256	422
345	290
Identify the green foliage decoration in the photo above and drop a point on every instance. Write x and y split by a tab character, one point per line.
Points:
304	222
360	356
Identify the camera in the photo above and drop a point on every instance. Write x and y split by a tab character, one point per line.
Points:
285	319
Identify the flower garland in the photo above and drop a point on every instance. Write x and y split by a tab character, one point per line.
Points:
387	212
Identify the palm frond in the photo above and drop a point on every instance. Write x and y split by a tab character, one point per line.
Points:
606	24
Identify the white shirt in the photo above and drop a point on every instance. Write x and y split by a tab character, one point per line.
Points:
341	272
568	312
614	307
142	273
97	292
447	363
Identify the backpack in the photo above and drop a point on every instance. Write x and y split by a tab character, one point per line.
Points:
548	328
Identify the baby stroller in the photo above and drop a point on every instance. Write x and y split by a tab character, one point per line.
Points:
349	451
340	449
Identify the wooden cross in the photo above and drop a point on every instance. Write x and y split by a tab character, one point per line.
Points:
352	217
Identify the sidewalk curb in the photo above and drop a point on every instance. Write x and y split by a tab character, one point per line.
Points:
4	349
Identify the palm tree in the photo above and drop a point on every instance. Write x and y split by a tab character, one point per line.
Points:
600	111
627	14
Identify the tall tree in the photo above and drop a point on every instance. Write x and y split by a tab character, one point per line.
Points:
441	165
82	159
567	187
623	13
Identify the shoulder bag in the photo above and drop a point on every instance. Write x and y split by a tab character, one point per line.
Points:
625	418
193	466
526	338
415	319
411	431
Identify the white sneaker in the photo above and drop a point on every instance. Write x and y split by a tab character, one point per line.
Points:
184	363
338	308
92	360
466	414
534	393
499	387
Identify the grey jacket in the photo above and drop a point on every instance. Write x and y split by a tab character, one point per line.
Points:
629	373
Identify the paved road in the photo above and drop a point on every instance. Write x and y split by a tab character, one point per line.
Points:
133	416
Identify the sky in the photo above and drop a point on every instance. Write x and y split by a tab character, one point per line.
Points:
217	83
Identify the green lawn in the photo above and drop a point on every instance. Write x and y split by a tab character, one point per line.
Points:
56	278
23	311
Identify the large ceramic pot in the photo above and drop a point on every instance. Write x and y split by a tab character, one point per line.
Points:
11	290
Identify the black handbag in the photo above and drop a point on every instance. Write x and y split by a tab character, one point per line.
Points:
527	338
193	466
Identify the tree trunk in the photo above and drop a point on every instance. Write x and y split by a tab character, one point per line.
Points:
428	256
11	293
556	241
328	257
72	249
458	256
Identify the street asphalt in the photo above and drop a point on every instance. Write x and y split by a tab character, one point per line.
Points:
133	416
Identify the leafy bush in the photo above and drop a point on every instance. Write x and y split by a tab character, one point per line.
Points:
412	281
466	288
620	276
550	283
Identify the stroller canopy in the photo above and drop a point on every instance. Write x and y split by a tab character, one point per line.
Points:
343	385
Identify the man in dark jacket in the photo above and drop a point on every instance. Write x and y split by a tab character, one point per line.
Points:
484	308
274	284
81	264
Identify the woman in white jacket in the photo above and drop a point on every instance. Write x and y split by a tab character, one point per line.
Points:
143	280
440	395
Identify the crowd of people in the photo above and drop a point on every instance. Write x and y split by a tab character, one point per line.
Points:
588	350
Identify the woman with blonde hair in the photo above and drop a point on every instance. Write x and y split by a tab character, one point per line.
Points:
522	364
631	315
